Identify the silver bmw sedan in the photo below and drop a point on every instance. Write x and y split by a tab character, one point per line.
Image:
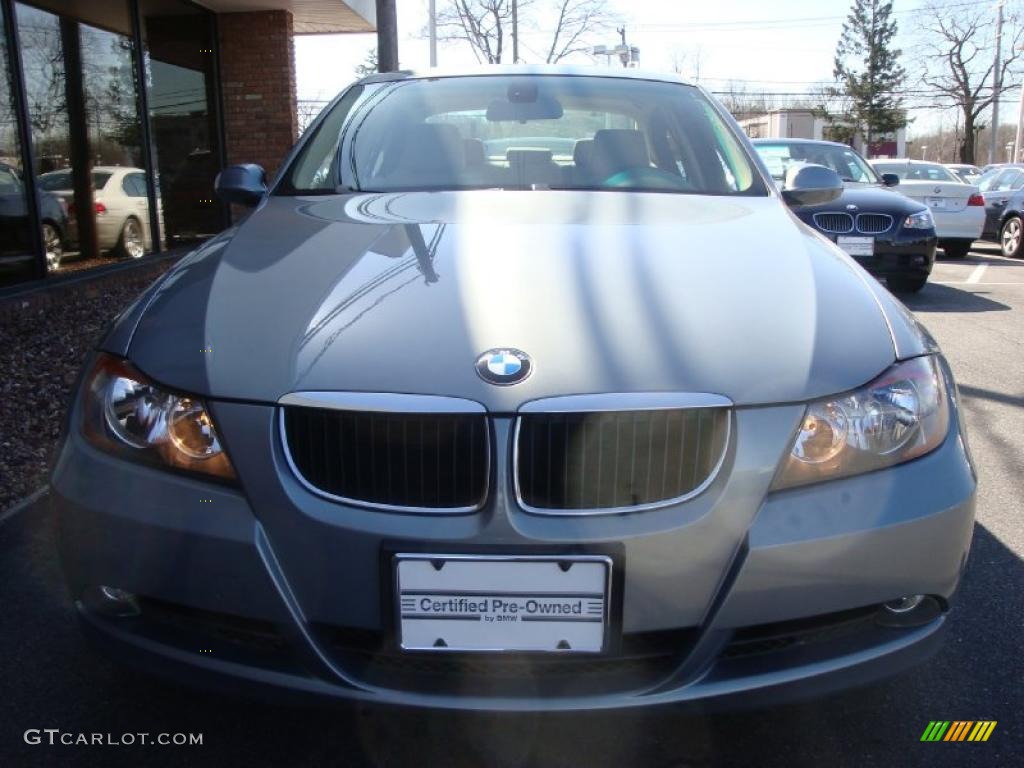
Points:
518	389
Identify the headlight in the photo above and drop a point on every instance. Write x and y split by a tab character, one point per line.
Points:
922	220
899	416
126	414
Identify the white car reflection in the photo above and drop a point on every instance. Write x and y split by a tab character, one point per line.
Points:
120	203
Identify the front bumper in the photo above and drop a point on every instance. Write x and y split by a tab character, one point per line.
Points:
906	253
901	257
791	613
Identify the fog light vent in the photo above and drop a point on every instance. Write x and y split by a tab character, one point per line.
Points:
110	601
909	611
904	604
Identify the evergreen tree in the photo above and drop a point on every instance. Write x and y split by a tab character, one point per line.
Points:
868	70
369	64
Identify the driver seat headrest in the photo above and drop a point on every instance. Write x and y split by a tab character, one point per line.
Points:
617	149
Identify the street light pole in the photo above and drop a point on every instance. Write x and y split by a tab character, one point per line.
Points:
515	31
387	36
1020	129
433	33
997	83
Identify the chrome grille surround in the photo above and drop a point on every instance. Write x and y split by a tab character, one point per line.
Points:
834	222
625	404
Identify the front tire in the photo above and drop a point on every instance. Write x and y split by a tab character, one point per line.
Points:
131	244
907	283
53	246
1011	237
956	249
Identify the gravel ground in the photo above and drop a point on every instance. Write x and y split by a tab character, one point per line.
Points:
72	262
43	340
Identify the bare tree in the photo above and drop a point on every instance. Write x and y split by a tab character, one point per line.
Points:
576	23
487	26
687	62
306	111
958	61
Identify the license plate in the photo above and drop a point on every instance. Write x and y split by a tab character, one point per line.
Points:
936	202
857	246
482	603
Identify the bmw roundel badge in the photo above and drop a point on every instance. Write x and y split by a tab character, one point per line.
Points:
503	366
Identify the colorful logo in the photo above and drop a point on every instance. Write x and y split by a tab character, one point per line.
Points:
503	366
958	730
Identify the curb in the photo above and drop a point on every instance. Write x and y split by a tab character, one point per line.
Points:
23	504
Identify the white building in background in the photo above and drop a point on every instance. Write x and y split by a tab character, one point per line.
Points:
808	124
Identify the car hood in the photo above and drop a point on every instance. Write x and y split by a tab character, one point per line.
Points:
402	293
869	199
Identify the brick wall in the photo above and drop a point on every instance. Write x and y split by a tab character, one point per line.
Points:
257	60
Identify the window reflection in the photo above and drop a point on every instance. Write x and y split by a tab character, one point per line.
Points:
179	44
17	258
86	135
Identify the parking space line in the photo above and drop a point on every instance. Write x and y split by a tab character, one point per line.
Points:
976	273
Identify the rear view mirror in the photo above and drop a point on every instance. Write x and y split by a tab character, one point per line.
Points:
811	185
241	184
523	103
890	179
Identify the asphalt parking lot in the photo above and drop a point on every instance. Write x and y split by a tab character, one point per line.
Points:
975	308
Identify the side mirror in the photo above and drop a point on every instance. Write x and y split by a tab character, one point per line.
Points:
811	185
890	179
241	184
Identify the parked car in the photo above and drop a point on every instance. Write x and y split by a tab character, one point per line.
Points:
890	235
957	207
626	436
968	173
120	203
1003	189
15	237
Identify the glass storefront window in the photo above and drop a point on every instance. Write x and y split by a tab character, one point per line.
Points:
179	44
79	64
86	133
17	262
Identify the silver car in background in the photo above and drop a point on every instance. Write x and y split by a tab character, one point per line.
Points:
460	417
968	173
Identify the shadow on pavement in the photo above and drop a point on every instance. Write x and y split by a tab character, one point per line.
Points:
935	297
52	680
988	394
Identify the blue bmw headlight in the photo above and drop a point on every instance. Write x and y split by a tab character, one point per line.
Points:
920	220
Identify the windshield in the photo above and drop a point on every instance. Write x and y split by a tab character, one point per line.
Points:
1001	180
917	171
845	161
526	133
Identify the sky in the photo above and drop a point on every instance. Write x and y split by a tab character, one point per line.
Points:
772	45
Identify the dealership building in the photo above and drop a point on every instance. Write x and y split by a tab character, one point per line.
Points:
115	116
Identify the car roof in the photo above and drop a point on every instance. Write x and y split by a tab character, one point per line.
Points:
99	168
904	161
491	70
816	142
